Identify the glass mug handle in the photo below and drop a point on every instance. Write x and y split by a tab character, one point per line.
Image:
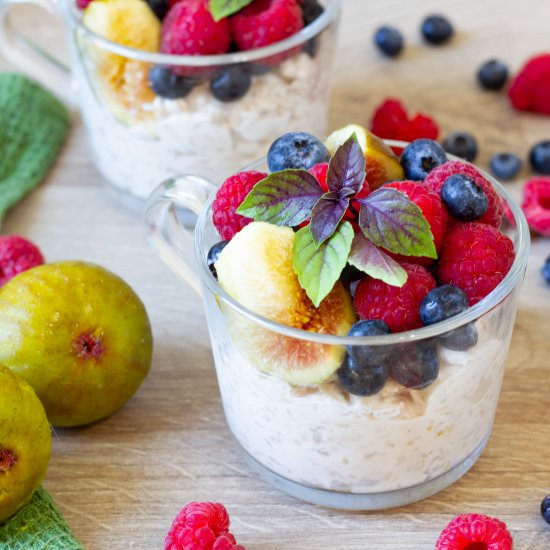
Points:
30	58
165	229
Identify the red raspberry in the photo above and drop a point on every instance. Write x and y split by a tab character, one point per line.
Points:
436	178
536	204
83	4
189	29
390	121
475	257
469	531
530	89
228	198
433	210
398	307
17	255
265	22
201	526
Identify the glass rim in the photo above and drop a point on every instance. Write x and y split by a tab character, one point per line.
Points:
495	297
310	31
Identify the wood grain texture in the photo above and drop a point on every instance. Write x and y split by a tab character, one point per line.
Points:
121	482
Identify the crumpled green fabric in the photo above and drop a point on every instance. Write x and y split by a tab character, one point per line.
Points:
38	526
33	127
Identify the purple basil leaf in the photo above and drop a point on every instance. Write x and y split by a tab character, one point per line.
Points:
346	168
390	220
326	215
283	198
371	260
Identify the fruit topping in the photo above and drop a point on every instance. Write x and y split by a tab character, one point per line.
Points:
441	303
389	40
165	83
213	255
265	22
203	525
390	121
475	257
475	531
539	157
397	306
311	10
256	269
492	75
505	166
461	338
190	29
381	163
159	7
536	204
464	199
369	354
437	177
530	89
415	366
17	255
228	198
461	144
230	83
437	29
297	150
420	157
545	270
545	509
83	4
362	378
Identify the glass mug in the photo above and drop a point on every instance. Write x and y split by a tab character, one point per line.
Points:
138	138
317	444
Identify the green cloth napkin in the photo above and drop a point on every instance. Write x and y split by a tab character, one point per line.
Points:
33	126
38	526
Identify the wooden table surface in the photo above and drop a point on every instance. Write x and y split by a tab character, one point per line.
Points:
120	482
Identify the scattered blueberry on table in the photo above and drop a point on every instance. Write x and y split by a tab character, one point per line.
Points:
539	157
389	40
505	166
437	29
492	75
461	144
546	271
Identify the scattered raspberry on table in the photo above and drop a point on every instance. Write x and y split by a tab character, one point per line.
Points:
536	204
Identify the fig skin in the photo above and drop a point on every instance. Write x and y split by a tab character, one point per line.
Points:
25	443
79	335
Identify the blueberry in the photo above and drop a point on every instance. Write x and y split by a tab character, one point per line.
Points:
311	10
464	199
545	508
389	40
257	69
493	74
159	7
213	255
230	83
546	270
361	379
296	150
461	144
167	84
441	303
415	366
370	355
420	157
350	274
505	166
437	29
540	157
460	339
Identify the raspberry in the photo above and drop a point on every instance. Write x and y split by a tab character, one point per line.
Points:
398	307
201	526
83	4
469	531
530	89
475	257
17	255
265	22
189	29
436	178
390	121
433	210
536	204
228	198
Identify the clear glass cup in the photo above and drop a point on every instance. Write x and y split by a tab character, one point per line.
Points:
139	138
319	443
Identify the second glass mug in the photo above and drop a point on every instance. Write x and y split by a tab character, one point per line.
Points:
138	138
317	444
